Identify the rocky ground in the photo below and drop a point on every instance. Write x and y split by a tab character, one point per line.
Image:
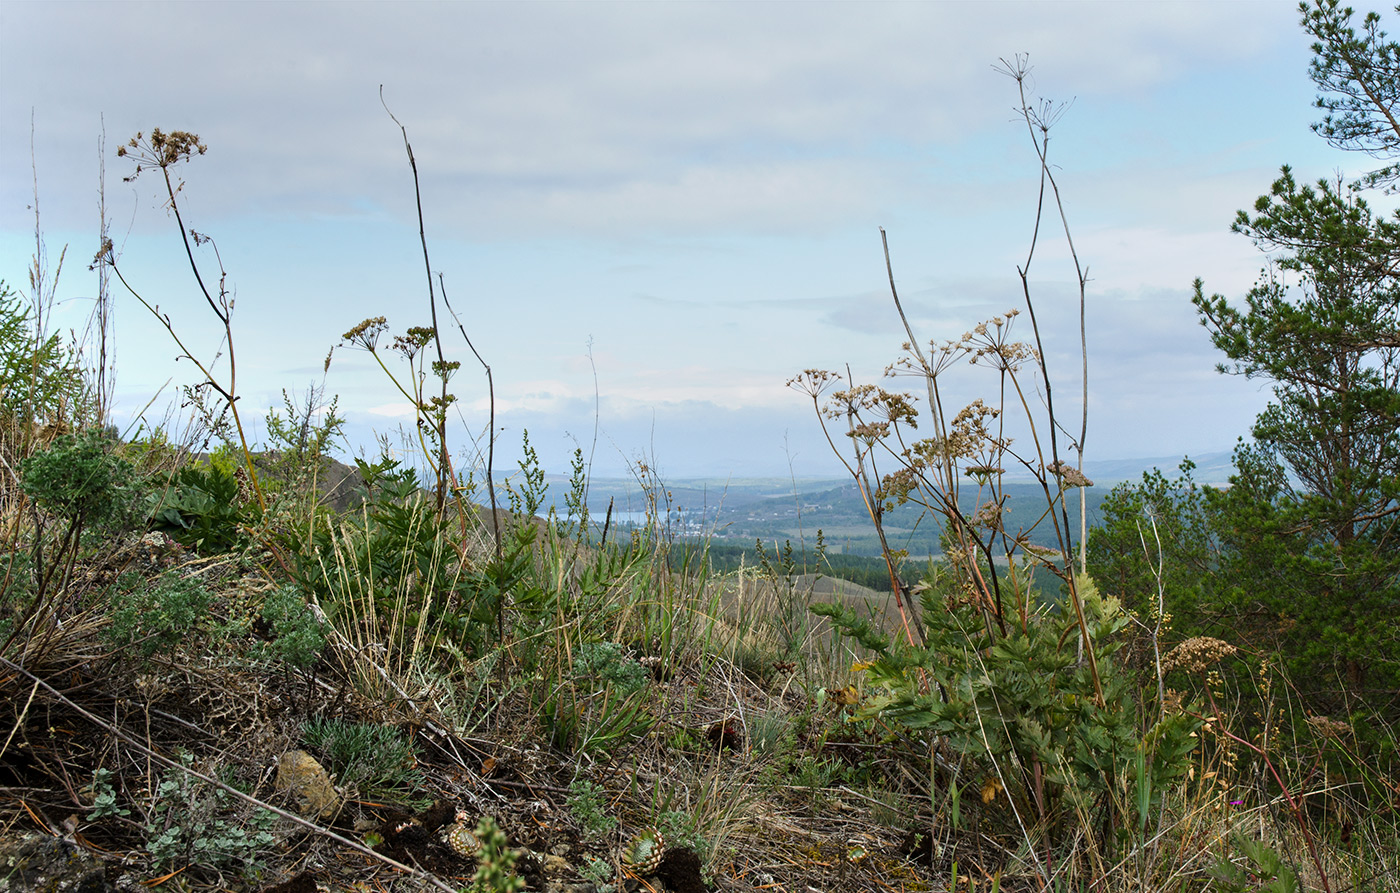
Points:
187	767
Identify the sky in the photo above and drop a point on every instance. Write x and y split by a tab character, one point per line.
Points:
649	216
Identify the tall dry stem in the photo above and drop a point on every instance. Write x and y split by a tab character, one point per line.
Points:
163	151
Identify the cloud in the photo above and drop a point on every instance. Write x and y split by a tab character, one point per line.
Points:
686	438
554	118
699	186
399	412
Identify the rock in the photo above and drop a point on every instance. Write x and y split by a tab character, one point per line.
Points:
53	864
313	795
557	865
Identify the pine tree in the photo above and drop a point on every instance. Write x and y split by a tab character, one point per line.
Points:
1360	82
1310	527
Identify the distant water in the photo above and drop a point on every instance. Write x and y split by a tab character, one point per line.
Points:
619	517
676	521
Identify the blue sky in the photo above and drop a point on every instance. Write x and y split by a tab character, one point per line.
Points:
679	201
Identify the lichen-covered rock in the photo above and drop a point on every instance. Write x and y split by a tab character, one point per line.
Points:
313	794
52	864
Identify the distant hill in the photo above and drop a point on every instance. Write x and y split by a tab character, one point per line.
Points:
731	515
734	491
1211	468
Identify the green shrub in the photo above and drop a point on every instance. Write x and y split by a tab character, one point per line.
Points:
495	871
607	664
601	702
588	803
372	759
40	380
194	823
202	508
297	636
78	482
104	797
600	873
78	478
1264	871
1023	711
391	559
301	436
158	615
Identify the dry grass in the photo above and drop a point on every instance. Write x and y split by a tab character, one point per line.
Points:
742	743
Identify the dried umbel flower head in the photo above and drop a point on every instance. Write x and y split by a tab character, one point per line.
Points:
1044	553
367	333
969	438
1172	701
1069	475
414	340
104	255
813	382
162	150
1196	654
988	515
983	471
988	344
896	486
869	433
1326	727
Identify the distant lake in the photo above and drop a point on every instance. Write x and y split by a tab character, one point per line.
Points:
619	517
637	518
